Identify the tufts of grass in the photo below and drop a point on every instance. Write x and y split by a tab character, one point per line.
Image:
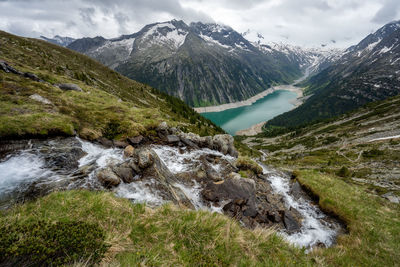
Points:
137	235
373	223
245	163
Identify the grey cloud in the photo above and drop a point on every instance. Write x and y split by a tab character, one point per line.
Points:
87	15
303	22
388	11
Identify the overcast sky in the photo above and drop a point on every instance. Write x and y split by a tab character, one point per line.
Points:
338	23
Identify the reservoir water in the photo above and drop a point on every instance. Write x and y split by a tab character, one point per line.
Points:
233	120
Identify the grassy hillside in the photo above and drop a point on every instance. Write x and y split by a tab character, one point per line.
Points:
110	105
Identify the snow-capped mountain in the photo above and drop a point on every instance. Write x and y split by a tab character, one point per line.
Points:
58	40
366	72
310	60
203	64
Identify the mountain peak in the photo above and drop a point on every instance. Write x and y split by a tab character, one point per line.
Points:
58	40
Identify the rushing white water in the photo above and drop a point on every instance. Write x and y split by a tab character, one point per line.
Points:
314	229
183	160
21	168
98	154
19	171
139	192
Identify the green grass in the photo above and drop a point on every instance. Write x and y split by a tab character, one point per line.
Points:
373	222
137	235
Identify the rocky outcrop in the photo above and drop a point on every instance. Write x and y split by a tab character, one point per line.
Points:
223	143
7	68
253	202
63	86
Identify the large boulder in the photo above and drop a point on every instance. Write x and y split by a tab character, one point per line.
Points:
108	178
125	172
145	158
135	141
146	163
128	151
225	144
62	154
172	139
230	189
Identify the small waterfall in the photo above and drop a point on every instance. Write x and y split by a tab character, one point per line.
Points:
315	229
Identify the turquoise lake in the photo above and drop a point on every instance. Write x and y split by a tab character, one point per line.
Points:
232	120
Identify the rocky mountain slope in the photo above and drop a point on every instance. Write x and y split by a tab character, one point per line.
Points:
365	73
203	64
310	60
58	40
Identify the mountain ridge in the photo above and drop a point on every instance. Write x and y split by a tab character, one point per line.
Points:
203	64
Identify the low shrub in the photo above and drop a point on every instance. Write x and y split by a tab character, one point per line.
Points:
42	243
372	153
343	172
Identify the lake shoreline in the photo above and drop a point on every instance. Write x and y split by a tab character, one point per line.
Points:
257	128
251	100
238	104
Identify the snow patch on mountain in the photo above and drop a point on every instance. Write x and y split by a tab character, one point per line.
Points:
156	35
126	44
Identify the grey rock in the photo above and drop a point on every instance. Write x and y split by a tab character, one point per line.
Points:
135	140
40	99
189	143
120	144
3	66
163	126
291	224
125	172
391	197
296	190
32	76
145	158
224	144
108	178
105	142
69	87
7	68
173	139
